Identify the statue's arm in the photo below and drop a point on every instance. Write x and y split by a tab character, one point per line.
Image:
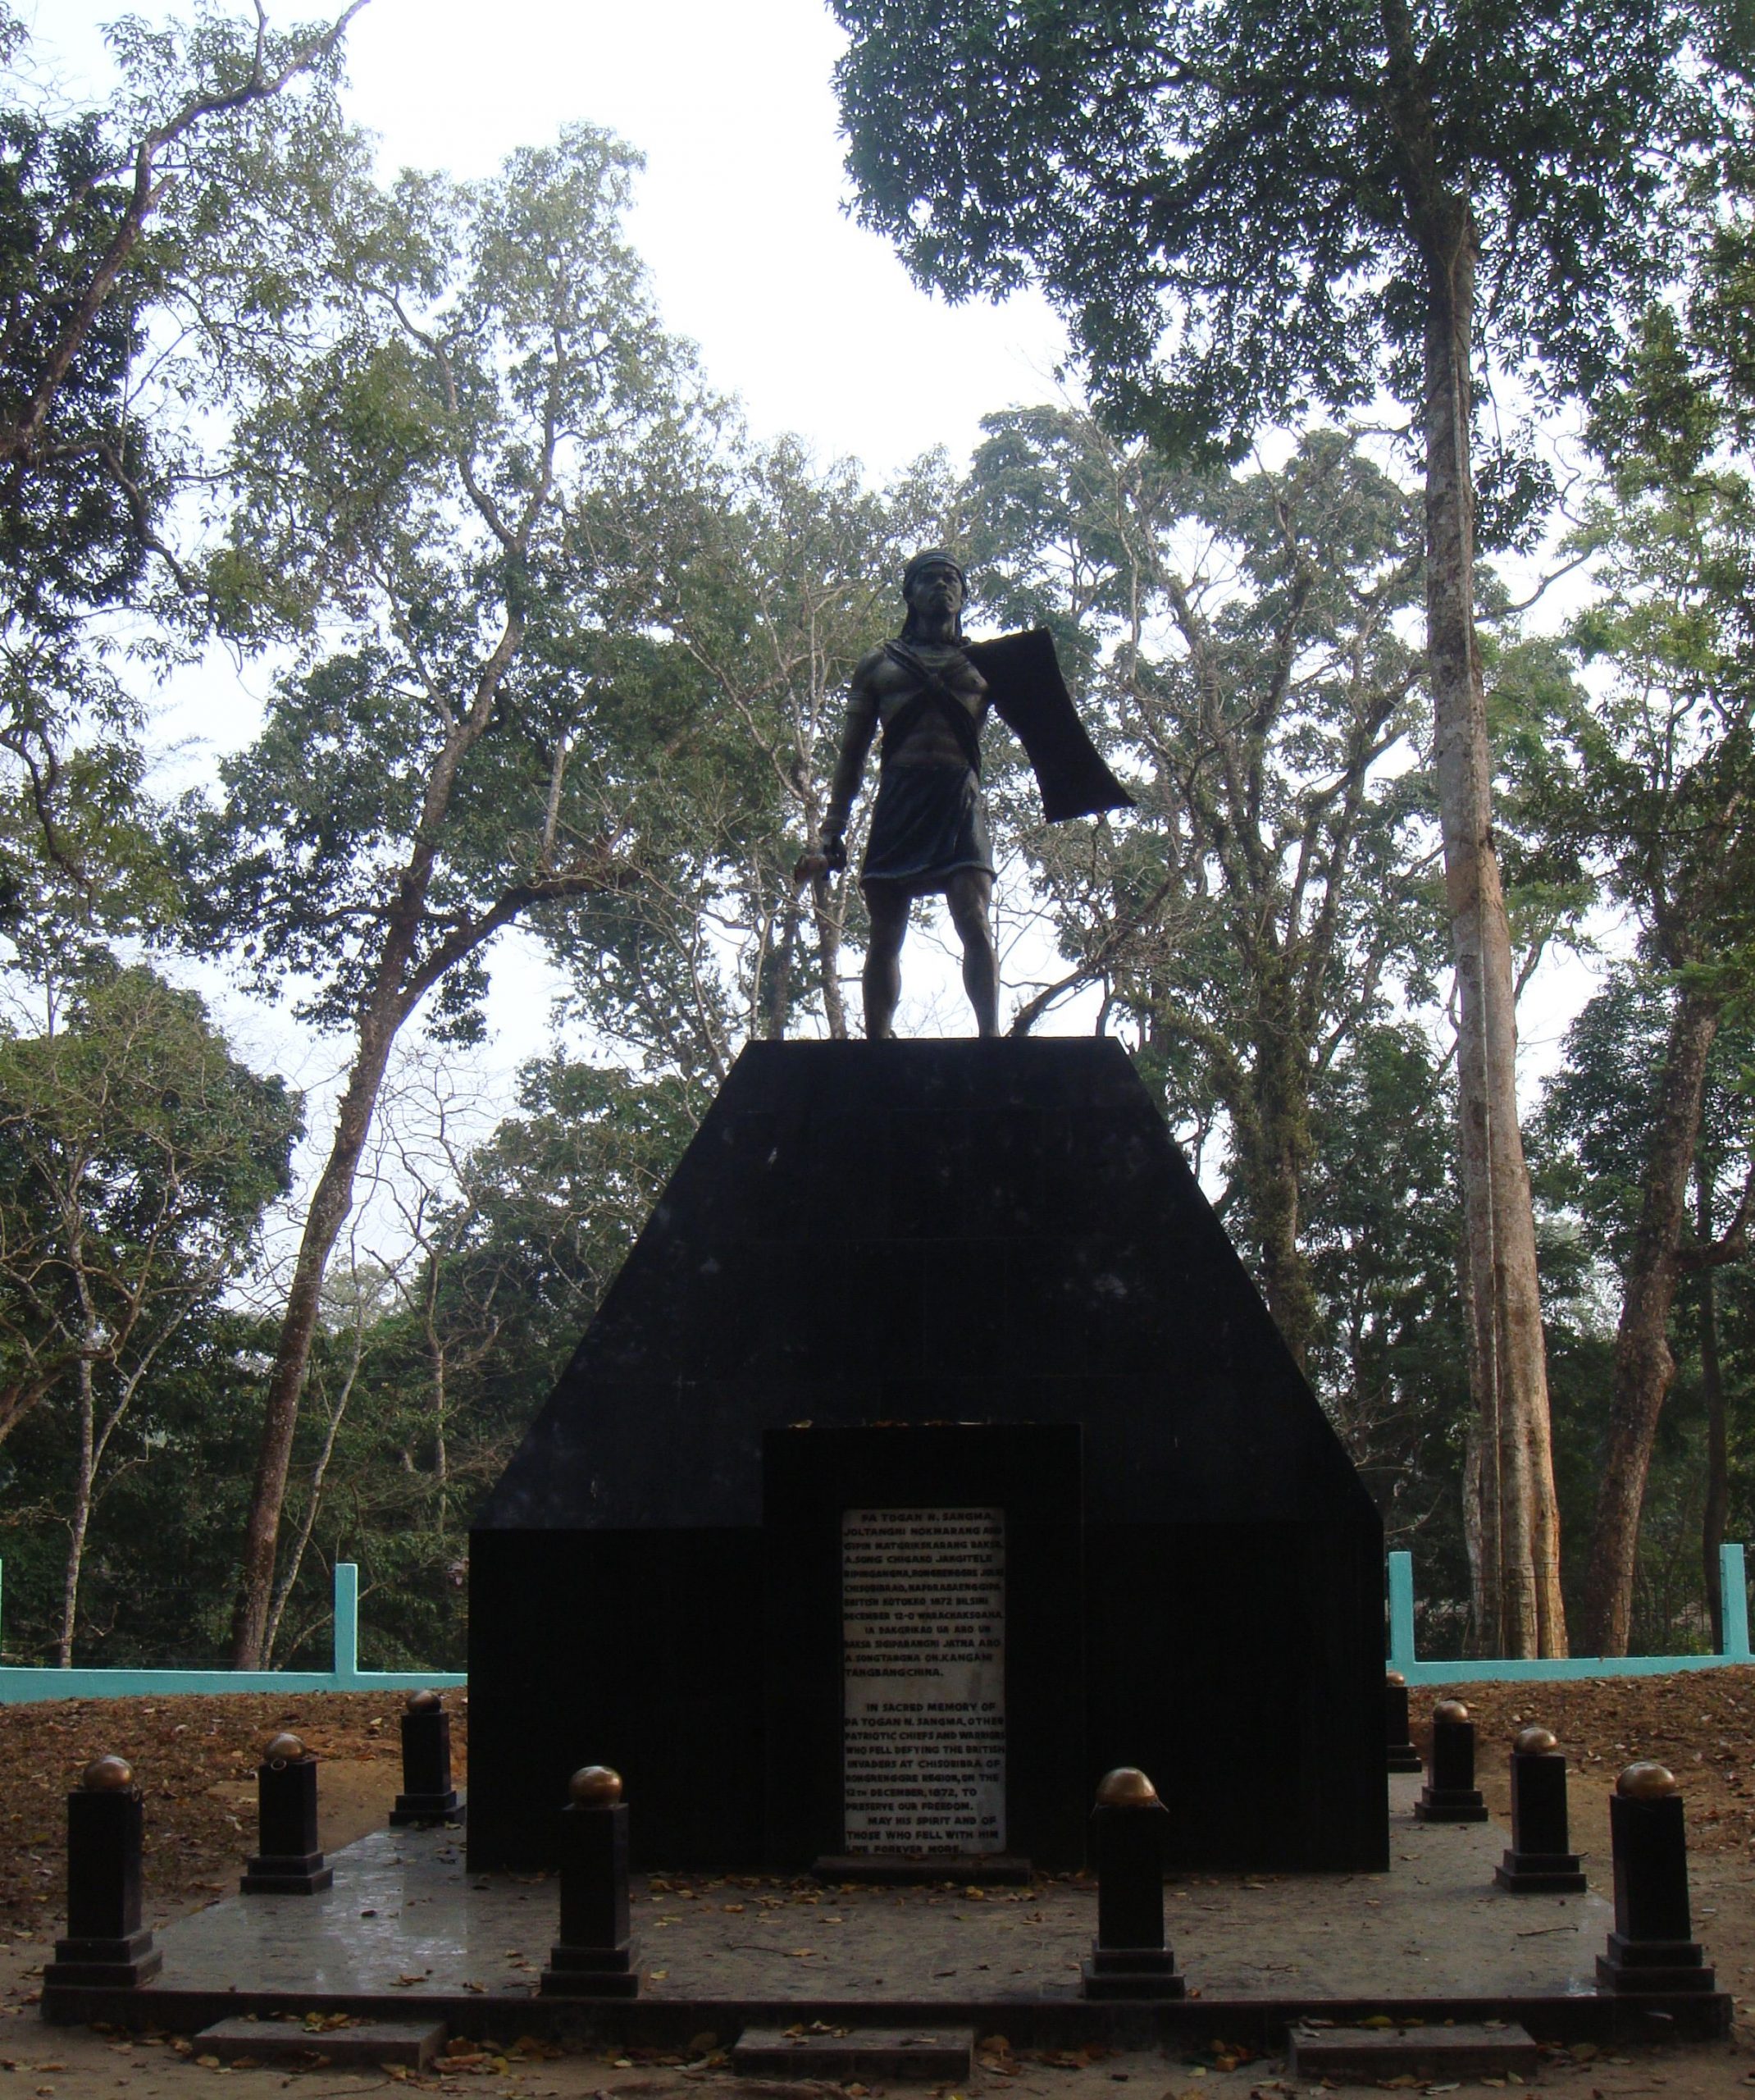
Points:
860	727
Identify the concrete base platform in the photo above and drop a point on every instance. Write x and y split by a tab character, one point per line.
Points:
839	2053
413	2041
1430	2052
406	1932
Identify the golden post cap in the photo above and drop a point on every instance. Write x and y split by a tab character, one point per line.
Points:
1535	1742
1645	1780
1450	1710
107	1775
424	1702
595	1786
1127	1787
1394	1677
283	1749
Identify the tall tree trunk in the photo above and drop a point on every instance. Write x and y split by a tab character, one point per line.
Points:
78	1520
1278	1157
396	987
1508	1358
1644	1365
828	956
780	982
288	1581
1716	1511
330	1203
1483	1572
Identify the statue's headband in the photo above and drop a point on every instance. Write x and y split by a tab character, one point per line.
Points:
933	557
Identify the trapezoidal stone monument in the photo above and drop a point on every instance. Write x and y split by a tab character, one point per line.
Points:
933	1454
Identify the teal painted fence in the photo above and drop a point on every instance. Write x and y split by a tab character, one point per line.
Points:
1734	1584
20	1687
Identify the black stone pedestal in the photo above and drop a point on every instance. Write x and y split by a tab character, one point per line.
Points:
1652	1947
290	1862
595	1957
1129	1959
990	1244
427	1794
1450	1795
106	1942
1400	1755
1540	1862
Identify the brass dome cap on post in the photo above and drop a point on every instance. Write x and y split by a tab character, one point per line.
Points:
107	1775
284	1749
1127	1787
595	1786
1450	1710
424	1702
1646	1780
1535	1741
1394	1677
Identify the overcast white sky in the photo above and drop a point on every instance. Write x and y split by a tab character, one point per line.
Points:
812	322
740	218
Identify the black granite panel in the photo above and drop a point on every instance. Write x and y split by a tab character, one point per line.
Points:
1242	1671
953	1213
637	1650
1033	1472
931	1233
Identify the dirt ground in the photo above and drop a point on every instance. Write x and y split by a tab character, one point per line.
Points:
195	1759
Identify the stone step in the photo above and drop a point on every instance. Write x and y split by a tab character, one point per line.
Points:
839	2053
415	2042
1436	2052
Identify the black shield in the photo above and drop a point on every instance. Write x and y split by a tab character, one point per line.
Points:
1030	697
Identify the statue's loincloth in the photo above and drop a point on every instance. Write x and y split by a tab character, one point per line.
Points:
927	824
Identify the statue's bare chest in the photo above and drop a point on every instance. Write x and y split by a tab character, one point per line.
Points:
895	686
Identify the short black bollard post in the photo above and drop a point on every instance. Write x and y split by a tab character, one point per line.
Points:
427	1795
1541	1861
106	1944
1450	1794
594	1956
1397	1743
1651	1948
1129	1958
287	1862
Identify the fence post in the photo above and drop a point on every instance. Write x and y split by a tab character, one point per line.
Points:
1734	1605
347	1620
1401	1612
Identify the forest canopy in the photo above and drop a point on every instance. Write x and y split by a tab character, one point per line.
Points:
553	651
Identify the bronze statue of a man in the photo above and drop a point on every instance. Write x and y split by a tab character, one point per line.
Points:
929	835
929	691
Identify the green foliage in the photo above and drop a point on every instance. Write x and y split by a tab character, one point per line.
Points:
1234	204
137	1157
1598	1121
761	583
160	1561
491	371
1383	1226
1240	639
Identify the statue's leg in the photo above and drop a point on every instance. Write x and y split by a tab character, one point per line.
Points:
888	908
969	894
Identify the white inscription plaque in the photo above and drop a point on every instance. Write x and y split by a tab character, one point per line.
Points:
923	1642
